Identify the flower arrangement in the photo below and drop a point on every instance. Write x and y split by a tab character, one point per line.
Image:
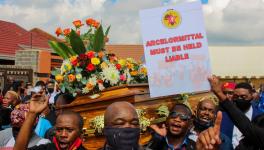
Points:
87	67
97	123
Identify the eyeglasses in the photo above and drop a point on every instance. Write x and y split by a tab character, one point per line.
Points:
183	117
240	96
228	92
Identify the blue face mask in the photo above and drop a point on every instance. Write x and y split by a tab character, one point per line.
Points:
122	138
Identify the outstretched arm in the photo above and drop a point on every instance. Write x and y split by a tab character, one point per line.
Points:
210	138
37	104
247	128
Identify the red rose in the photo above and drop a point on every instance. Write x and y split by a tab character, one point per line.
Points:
90	54
90	67
75	62
118	66
82	56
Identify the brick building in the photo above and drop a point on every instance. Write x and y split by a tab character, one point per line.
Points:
28	49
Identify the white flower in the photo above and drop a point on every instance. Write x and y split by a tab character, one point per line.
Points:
93	80
131	60
79	77
66	66
128	76
101	86
85	90
110	74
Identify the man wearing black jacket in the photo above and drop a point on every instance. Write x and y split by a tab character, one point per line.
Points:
253	132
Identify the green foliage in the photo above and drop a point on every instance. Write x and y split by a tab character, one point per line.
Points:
144	122
58	49
77	43
163	111
98	41
97	123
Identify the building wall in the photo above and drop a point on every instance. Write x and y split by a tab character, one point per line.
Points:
237	61
38	60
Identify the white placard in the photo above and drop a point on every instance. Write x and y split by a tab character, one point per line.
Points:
176	49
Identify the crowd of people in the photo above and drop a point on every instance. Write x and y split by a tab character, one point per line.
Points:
232	119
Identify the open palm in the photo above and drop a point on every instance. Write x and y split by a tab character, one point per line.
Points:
38	103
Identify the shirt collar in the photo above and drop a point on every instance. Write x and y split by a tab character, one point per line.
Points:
184	143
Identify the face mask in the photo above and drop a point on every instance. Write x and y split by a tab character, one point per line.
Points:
201	125
122	138
50	90
242	104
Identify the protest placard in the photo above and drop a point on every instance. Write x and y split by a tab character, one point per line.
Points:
176	49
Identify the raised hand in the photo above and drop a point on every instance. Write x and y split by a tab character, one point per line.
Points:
161	131
216	87
210	138
38	103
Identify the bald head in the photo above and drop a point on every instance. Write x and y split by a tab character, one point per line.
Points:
122	115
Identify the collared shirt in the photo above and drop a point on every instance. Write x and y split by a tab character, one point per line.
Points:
193	135
237	135
181	147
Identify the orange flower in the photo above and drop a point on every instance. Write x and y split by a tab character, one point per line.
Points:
130	66
133	73
67	31
90	21
77	23
100	54
89	86
58	31
96	24
59	78
71	77
143	70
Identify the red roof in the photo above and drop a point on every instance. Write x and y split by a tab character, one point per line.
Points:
12	35
124	51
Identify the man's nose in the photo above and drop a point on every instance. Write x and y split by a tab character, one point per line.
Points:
206	112
64	133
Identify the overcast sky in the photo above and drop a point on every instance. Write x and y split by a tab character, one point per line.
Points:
228	22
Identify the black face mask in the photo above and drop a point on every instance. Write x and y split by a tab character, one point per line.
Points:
122	138
201	125
50	90
242	104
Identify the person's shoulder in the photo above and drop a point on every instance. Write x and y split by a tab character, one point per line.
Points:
6	132
47	146
43	141
256	109
82	148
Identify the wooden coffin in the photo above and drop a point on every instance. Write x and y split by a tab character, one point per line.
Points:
136	94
